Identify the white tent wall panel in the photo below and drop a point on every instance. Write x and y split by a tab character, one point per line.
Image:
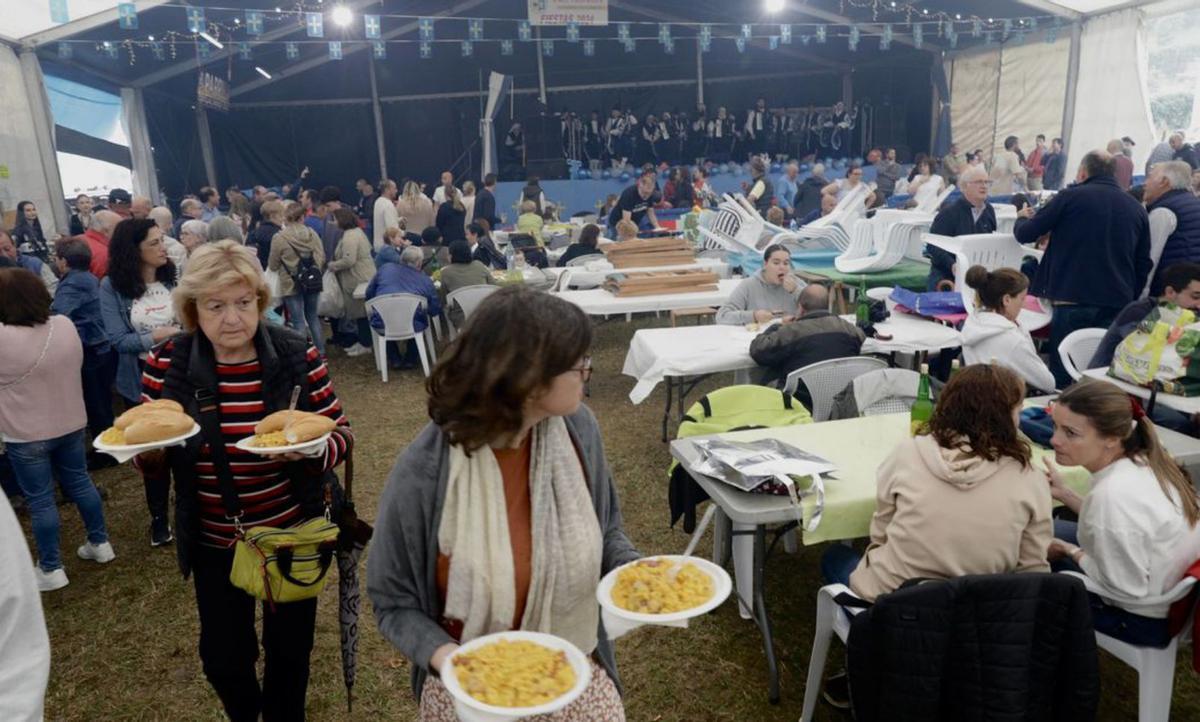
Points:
1033	89
27	142
973	83
1111	99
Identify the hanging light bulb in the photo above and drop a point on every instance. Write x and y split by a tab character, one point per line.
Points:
342	17
775	6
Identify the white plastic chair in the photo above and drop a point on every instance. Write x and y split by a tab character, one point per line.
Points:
397	311
992	251
468	299
1155	667
896	390
832	618
826	379
1077	349
584	260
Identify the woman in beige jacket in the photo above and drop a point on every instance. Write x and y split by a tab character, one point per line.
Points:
353	266
416	207
962	499
292	249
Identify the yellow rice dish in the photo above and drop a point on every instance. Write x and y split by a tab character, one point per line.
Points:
514	674
646	587
269	440
113	436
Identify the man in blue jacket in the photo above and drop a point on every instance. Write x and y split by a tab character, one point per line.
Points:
1098	259
78	298
405	277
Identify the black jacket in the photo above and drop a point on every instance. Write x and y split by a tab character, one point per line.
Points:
260	239
283	355
485	207
956	219
1099	252
577	250
808	196
989	647
451	222
815	336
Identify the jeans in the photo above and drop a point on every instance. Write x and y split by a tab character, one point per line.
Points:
352	331
302	313
838	562
99	371
36	464
1107	618
229	644
1072	318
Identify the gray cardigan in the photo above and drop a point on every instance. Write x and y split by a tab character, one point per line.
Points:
402	564
755	294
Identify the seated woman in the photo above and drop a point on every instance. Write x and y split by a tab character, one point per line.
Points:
483	248
463	271
502	513
1137	531
923	183
992	332
962	499
531	222
589	238
770	293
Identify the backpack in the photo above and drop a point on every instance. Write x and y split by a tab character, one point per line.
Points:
306	276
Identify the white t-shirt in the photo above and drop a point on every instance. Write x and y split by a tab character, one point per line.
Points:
152	310
384	216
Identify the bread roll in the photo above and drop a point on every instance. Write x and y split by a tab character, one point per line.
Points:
157	425
308	428
278	420
125	420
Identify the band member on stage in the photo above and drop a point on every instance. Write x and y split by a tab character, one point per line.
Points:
782	127
758	127
631	133
652	137
614	135
720	136
593	137
699	135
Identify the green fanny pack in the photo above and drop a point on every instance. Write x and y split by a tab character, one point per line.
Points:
284	565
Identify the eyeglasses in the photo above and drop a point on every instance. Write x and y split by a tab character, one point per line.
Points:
584	369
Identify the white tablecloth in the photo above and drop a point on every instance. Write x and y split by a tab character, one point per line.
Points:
594	273
1184	404
598	302
656	353
695	350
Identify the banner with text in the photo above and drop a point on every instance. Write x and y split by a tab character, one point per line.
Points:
565	12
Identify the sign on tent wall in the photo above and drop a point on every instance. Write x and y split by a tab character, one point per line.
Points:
568	12
1017	89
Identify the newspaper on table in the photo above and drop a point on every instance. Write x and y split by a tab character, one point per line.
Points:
746	465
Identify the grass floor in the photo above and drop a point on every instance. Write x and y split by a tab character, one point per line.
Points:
124	635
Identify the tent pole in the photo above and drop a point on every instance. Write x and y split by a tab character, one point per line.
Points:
847	88
383	174
541	70
206	146
1072	84
43	132
699	73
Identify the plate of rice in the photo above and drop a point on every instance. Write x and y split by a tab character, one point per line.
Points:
112	441
645	591
510	675
275	443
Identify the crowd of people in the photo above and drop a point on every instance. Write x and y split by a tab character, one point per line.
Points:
221	311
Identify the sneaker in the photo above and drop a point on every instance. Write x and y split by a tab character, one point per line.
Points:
357	350
160	532
836	691
49	581
102	552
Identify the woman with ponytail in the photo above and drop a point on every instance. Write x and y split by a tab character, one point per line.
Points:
992	332
1137	533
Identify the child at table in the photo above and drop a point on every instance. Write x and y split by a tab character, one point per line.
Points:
961	499
992	332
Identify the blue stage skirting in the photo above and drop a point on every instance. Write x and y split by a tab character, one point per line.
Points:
586	196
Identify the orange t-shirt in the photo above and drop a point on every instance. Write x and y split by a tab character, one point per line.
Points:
514	468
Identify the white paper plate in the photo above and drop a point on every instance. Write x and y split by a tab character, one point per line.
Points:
134	449
244	445
469	708
722	587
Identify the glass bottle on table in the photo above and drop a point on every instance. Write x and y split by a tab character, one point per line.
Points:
922	408
862	309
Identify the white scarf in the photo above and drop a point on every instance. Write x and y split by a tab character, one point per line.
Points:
566	551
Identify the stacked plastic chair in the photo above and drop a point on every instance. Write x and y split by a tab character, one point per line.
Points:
892	235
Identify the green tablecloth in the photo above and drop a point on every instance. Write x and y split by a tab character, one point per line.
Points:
909	274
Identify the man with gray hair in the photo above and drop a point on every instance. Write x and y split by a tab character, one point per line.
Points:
140	207
968	215
97	235
405	277
813	334
1098	259
785	190
808	197
1174	219
189	208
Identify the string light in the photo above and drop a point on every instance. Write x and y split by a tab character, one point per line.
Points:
341	16
775	6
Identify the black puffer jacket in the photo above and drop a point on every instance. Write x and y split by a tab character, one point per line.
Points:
1001	648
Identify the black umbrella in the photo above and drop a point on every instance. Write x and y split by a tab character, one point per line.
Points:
355	533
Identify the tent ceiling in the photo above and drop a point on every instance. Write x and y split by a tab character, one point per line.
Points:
94	21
